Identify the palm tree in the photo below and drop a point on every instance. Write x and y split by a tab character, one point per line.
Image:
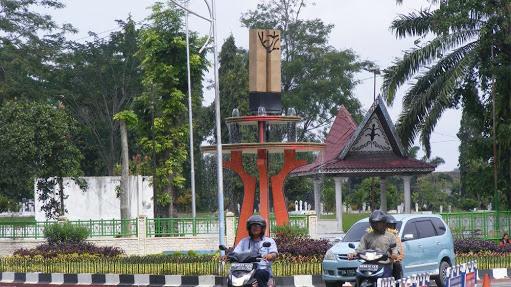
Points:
469	41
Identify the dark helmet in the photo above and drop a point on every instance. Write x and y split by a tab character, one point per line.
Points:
256	219
377	216
391	220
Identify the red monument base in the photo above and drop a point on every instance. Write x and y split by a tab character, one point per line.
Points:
249	182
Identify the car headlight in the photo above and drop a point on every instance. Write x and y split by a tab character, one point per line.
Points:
330	255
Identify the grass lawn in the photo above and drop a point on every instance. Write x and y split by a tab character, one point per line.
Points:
348	219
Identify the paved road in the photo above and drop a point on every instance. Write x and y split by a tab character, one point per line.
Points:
499	283
494	283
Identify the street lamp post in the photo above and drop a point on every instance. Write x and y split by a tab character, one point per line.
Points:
375	71
220	177
190	116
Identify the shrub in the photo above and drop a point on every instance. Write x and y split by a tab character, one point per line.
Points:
288	231
301	246
468	246
7	204
59	233
60	250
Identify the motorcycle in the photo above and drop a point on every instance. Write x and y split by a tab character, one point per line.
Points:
243	267
371	269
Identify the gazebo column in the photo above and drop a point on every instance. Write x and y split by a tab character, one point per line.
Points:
408	198
317	195
383	194
338	202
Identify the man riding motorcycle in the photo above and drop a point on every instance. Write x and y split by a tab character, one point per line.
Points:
256	226
379	239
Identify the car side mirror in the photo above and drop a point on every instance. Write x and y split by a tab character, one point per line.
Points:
222	247
351	245
407	237
267	244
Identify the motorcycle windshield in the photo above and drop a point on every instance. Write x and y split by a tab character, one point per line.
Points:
244	257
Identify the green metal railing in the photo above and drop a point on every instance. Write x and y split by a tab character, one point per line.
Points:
97	228
478	224
23	230
112	227
170	227
300	221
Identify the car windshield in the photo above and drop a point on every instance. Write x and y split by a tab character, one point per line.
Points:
359	229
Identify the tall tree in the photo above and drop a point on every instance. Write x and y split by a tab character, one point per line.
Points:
316	78
125	118
97	80
29	41
37	142
162	105
475	159
471	42
233	80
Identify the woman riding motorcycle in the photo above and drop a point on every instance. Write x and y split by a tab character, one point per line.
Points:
256	226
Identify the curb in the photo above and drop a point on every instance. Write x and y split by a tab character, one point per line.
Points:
497	273
52	279
103	280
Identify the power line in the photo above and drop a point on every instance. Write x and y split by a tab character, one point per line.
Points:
104	32
445	141
445	135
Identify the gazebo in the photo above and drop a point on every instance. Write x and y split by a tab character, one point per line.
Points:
371	149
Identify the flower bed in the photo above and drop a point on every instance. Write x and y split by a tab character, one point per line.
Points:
62	250
160	264
467	246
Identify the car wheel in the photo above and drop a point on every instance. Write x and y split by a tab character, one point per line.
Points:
333	283
441	280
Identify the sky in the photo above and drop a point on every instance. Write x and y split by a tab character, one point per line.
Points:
360	25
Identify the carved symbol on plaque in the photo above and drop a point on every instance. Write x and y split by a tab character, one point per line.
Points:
271	41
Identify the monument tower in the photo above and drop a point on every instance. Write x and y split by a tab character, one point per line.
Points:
266	112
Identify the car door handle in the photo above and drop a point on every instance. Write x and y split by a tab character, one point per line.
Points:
438	243
420	245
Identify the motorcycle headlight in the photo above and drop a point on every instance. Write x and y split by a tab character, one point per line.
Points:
330	255
371	256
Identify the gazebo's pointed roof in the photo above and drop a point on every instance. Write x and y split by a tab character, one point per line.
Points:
338	137
372	148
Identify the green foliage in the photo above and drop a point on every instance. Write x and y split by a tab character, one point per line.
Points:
29	42
161	108
61	233
37	141
97	80
128	116
288	231
429	196
151	264
7	204
466	63
368	191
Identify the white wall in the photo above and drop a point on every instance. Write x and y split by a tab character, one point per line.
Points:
100	200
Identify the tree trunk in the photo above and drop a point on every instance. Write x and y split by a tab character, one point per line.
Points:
383	194
372	201
170	190
124	196
61	195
